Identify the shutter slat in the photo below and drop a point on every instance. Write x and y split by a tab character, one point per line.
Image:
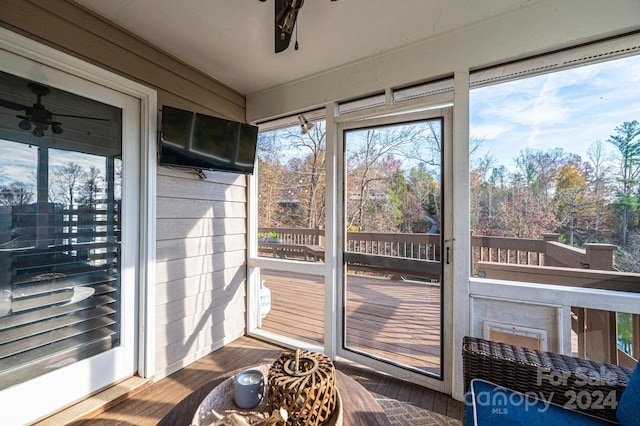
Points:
63	248
40	327
64	296
41	314
66	353
62	261
36	277
60	284
45	339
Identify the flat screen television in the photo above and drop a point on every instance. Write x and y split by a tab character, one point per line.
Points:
199	141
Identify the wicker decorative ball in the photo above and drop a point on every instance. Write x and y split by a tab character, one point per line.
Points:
304	384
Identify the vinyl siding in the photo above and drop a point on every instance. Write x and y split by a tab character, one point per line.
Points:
201	224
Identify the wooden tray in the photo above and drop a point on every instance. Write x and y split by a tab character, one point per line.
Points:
220	400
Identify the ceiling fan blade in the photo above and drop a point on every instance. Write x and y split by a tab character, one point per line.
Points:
12	105
84	117
282	39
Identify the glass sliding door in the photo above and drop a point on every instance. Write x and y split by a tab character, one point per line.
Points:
68	241
393	258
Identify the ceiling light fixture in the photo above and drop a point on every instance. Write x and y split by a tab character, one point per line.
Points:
38	132
305	125
56	129
25	125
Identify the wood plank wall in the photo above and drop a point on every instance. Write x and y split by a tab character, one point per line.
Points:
201	265
201	224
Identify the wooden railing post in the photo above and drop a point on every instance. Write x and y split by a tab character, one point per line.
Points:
635	326
548	238
600	256
601	326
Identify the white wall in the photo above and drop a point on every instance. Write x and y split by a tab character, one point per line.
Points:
200	265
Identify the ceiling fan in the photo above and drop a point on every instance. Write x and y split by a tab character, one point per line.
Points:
37	116
286	14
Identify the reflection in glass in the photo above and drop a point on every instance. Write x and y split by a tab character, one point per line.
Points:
59	235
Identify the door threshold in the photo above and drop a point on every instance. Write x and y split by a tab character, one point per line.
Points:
97	403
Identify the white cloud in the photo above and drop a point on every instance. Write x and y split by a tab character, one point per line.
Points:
569	109
18	162
489	131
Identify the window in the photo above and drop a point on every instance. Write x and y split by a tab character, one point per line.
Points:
291	192
291	207
60	191
555	178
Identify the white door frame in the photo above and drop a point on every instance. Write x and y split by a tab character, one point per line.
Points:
28	59
420	110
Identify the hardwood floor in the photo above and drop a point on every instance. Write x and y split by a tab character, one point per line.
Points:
149	406
391	319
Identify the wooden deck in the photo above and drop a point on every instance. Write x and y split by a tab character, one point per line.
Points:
149	406
391	319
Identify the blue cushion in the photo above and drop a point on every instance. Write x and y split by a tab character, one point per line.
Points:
628	411
492	405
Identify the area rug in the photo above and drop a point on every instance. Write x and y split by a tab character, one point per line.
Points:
405	413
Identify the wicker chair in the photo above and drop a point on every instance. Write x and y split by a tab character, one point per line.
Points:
564	379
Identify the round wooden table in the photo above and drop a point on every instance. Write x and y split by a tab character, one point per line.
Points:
359	407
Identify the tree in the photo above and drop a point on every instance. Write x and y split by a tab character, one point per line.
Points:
627	141
64	184
91	187
522	216
271	192
539	169
16	194
424	143
569	196
370	165
295	189
483	191
312	174
426	193
598	181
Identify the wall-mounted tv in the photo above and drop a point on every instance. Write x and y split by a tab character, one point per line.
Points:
199	141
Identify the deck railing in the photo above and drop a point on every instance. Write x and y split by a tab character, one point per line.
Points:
545	251
410	246
536	260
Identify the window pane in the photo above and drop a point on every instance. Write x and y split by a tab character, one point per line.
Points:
393	218
555	167
292	305
60	192
554	190
291	193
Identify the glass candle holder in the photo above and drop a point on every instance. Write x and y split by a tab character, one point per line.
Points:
248	388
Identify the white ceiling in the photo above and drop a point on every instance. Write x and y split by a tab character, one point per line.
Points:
233	40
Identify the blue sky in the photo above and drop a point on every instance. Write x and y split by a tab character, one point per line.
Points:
570	109
19	161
